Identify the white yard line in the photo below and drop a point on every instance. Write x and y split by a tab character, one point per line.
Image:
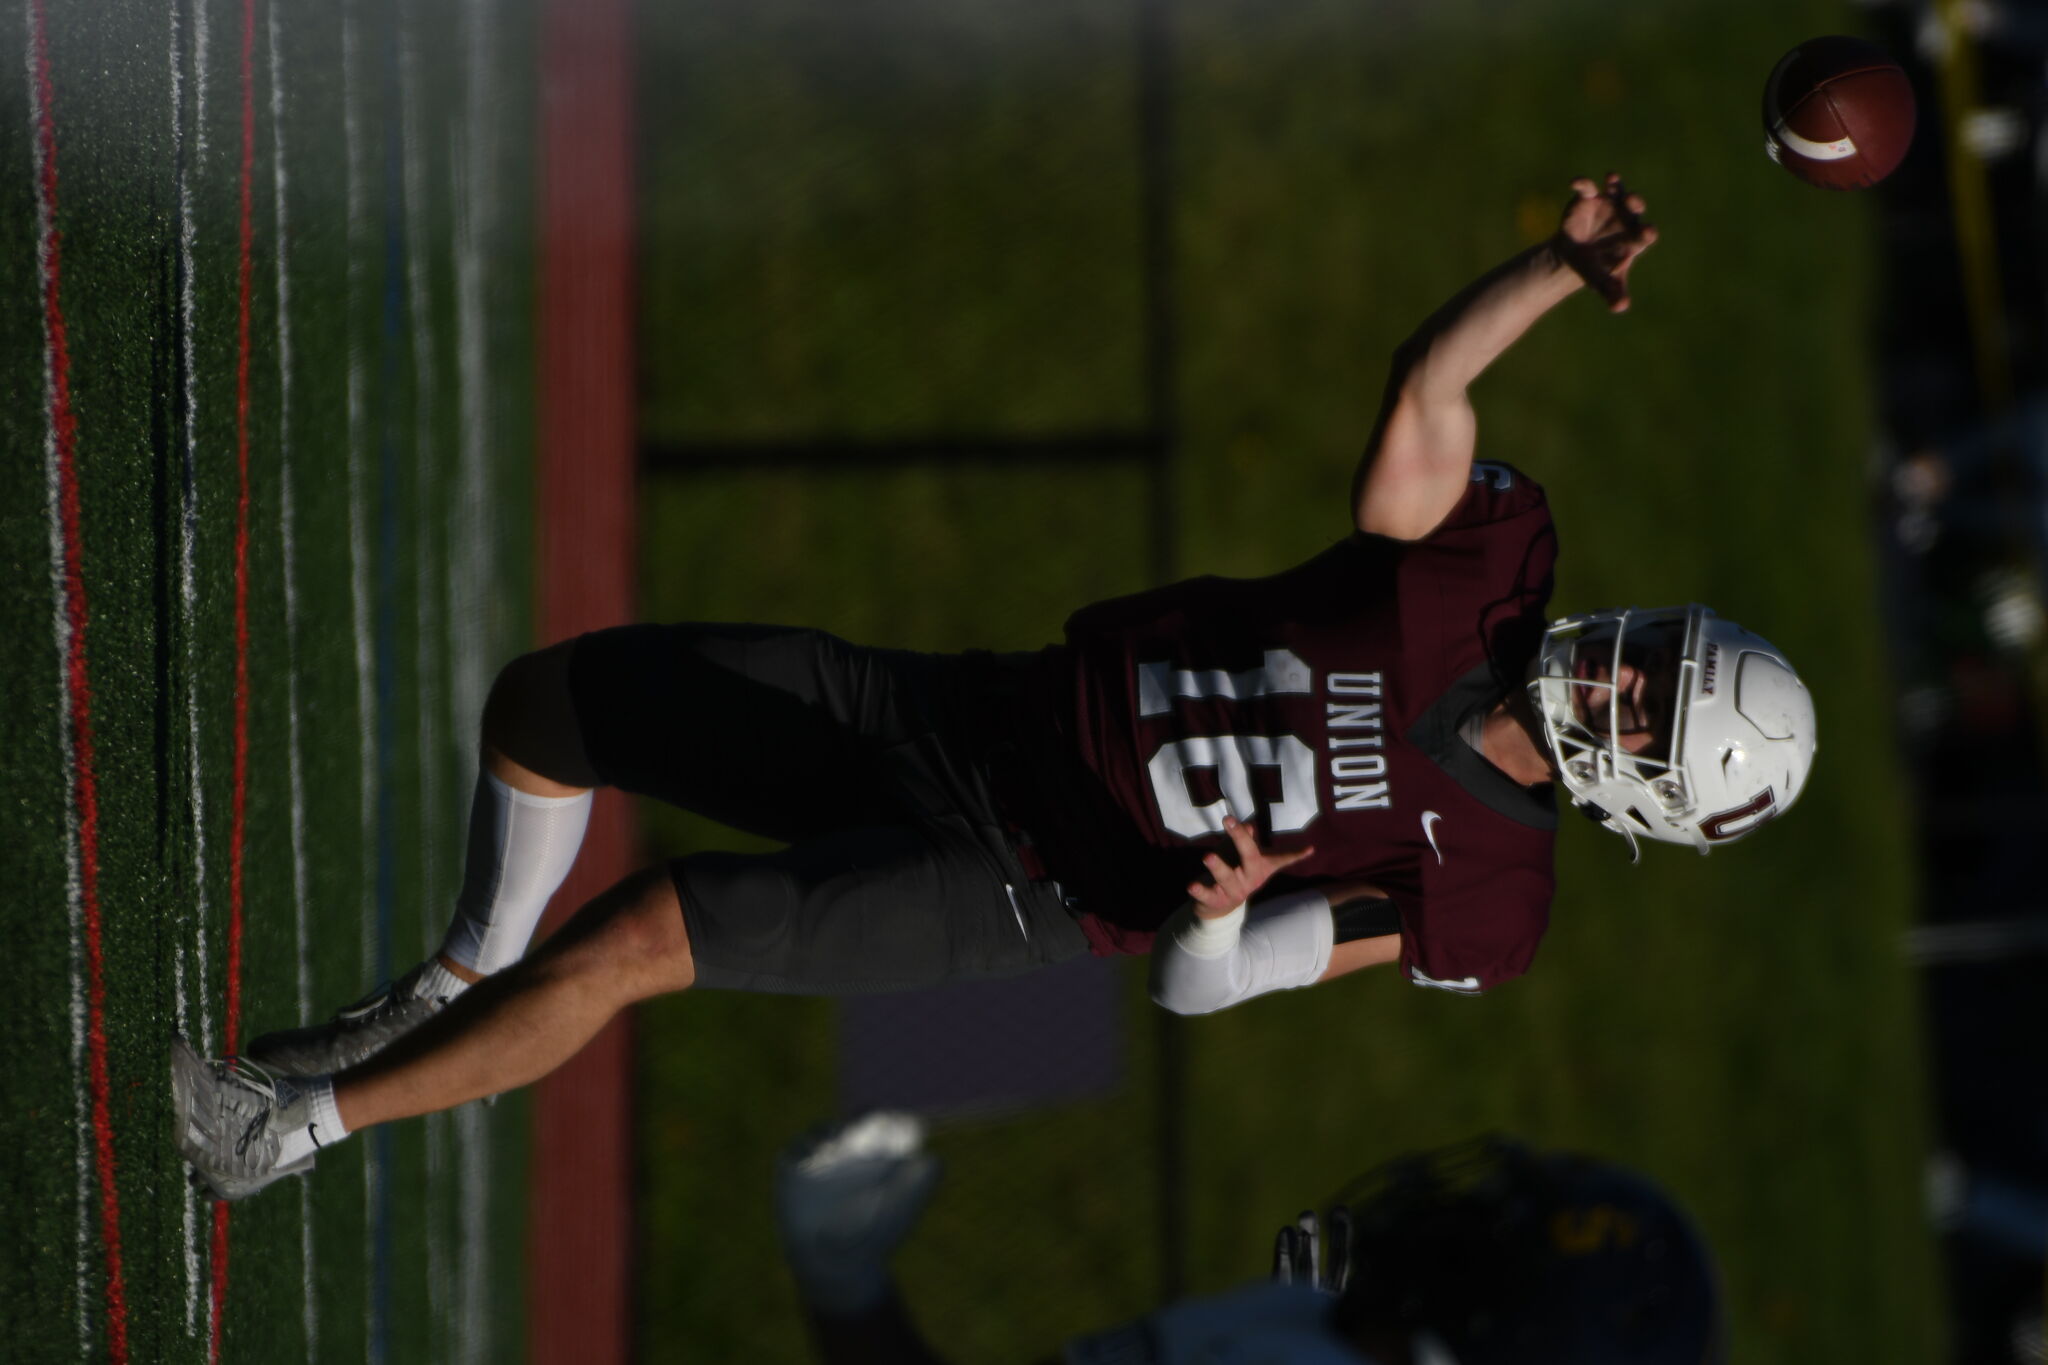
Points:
469	580
199	46
74	883
188	604
471	614
420	304
310	1307
358	241
286	511
188	1212
358	478
188	523
429	545
472	1317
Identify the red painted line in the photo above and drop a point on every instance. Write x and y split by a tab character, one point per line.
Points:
78	680
238	823
219	1280
579	1234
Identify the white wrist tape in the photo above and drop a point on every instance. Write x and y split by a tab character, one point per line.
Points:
1201	966
1210	936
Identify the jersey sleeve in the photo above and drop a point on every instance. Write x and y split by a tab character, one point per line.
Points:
1477	932
1478	587
1496	492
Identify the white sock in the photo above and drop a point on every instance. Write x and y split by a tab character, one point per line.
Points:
436	982
322	1130
521	847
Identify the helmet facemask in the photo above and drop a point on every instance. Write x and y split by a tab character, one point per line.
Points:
1613	692
1672	723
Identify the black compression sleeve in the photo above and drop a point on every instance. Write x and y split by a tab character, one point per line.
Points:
1370	917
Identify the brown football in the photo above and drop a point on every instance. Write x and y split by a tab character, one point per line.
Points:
1838	113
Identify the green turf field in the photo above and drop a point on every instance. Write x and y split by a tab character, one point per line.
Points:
893	221
925	219
389	435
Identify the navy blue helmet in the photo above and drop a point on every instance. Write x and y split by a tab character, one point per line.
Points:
1490	1253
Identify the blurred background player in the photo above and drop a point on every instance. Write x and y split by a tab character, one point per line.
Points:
1484	1253
1381	726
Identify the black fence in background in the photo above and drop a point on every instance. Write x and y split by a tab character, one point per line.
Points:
1961	504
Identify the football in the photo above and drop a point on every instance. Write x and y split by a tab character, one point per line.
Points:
1838	113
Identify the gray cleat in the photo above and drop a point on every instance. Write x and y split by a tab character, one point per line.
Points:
232	1118
353	1035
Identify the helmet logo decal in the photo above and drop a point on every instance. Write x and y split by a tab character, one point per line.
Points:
1709	668
1733	824
1584	1231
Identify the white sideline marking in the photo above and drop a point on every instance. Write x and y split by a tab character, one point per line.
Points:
430	692
199	46
469	580
413	194
359	603
469	609
74	884
188	591
188	598
286	510
475	1182
188	1213
358	546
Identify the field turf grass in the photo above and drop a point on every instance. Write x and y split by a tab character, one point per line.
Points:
916	217
388	388
920	219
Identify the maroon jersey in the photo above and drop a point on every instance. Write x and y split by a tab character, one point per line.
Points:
1323	703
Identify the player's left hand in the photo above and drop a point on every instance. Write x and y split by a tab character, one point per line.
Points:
1236	885
1602	234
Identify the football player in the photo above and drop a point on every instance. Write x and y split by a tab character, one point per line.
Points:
1368	741
1484	1253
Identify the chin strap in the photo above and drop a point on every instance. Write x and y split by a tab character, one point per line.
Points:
1603	819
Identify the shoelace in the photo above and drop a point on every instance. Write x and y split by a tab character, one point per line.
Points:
252	1132
384	1000
264	1082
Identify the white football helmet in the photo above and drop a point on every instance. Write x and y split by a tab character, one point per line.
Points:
1670	723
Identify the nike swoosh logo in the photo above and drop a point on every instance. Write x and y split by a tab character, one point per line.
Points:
1464	985
1429	819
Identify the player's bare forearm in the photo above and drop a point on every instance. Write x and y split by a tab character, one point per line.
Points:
1601	234
1459	340
1419	457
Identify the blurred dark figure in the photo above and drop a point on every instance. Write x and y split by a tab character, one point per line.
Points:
1485	1253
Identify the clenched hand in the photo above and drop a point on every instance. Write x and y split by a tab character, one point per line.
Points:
1601	236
